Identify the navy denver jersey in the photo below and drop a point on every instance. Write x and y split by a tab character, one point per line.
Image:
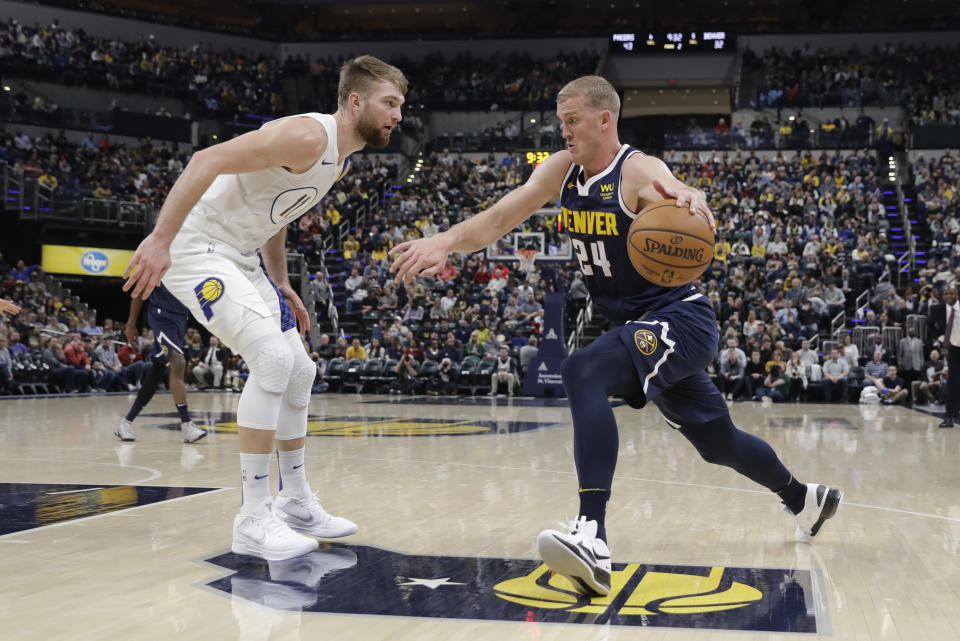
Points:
597	219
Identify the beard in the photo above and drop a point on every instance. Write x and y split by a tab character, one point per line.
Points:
372	133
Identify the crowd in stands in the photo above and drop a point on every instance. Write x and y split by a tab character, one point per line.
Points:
222	85
788	132
232	85
475	307
797	240
937	184
921	78
96	167
53	345
144	171
496	82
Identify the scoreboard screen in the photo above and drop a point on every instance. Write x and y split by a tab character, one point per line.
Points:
533	156
673	42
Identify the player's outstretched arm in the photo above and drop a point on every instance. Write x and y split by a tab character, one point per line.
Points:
296	144
429	255
654	182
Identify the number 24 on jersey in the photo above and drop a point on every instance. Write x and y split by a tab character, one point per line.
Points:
599	257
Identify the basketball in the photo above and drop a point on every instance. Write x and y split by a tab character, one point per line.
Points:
668	246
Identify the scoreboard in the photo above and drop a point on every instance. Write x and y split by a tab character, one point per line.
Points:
673	42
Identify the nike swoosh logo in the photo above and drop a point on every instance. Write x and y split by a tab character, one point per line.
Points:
297	467
580	550
258	476
324	162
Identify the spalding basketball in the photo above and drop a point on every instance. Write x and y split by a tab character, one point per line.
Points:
668	245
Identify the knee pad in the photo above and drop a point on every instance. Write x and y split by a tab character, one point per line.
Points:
271	364
292	421
302	373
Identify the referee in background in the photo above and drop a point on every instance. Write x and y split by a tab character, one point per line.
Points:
951	348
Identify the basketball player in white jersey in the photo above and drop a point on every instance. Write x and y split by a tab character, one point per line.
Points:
231	200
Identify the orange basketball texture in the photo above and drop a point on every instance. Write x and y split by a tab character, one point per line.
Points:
668	246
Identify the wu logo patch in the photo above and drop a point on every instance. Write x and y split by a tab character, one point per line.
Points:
606	191
208	292
646	341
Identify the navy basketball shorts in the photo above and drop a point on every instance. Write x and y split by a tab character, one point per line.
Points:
671	348
169	329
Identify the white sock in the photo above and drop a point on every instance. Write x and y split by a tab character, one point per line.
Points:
255	480
293	476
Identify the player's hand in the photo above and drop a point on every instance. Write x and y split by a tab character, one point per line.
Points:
692	199
297	307
148	265
6	307
130	331
426	256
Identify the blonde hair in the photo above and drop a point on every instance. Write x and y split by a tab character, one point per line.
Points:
359	75
597	93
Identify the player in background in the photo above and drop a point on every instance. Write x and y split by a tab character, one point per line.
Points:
663	338
234	199
167	319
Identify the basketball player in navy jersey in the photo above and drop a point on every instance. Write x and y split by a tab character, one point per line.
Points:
167	318
662	340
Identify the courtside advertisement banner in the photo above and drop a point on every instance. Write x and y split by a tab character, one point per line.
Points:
85	261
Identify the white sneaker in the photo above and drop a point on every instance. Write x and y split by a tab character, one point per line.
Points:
729	396
307	516
579	556
820	504
191	433
124	431
263	535
766	401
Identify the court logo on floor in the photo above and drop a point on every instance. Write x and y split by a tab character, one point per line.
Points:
25	506
226	423
354	579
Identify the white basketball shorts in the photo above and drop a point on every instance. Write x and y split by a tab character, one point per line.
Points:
226	291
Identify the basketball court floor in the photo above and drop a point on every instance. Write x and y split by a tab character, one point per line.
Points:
103	540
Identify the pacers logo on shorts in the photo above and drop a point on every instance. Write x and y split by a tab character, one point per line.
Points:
208	292
646	341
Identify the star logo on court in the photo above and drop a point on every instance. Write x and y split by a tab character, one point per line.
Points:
433	584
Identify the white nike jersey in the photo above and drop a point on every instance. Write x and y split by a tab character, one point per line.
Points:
246	210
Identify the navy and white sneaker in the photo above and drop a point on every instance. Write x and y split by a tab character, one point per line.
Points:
820	504
124	431
579	556
191	433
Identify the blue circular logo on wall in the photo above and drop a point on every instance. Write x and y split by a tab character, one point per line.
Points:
94	262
